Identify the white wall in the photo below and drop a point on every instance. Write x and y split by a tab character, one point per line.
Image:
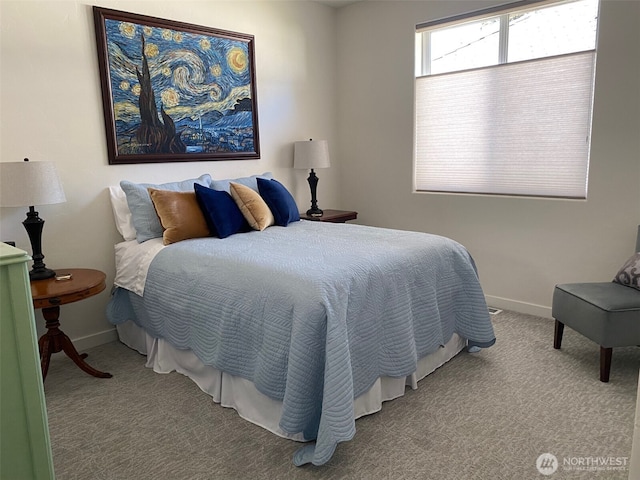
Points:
522	246
345	75
50	104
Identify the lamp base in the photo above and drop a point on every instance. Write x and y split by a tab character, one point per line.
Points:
33	224
314	211
41	274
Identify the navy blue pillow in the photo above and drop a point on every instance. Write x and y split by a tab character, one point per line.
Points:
221	212
279	200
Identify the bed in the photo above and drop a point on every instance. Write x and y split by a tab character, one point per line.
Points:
300	326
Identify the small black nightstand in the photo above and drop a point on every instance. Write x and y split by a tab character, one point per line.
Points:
333	216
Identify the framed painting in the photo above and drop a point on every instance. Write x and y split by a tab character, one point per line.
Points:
175	92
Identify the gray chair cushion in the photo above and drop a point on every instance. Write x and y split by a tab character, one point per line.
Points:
607	313
606	295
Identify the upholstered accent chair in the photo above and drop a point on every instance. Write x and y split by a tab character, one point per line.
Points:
607	313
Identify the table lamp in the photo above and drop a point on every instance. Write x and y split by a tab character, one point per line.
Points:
310	155
25	184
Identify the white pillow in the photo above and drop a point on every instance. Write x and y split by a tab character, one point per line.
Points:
121	213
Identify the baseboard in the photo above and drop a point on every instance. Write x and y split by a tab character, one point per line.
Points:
517	306
100	338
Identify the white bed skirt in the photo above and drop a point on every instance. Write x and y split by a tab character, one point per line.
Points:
241	394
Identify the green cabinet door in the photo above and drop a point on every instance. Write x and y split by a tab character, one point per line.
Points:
25	447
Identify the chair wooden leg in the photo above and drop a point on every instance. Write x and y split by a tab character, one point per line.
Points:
605	363
557	336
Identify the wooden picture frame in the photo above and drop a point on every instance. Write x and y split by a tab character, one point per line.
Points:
175	92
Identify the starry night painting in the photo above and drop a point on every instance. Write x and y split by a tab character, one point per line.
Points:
175	92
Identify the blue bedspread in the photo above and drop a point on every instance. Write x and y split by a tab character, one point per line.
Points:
313	313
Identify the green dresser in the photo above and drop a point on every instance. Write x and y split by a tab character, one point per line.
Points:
25	448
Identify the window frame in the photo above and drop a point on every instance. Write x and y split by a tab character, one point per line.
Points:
502	13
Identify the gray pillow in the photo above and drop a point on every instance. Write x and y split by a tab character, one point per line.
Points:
629	274
143	214
251	182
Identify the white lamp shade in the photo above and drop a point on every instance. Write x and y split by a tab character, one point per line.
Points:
29	183
311	154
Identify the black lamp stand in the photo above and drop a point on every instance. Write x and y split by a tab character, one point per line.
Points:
314	211
34	224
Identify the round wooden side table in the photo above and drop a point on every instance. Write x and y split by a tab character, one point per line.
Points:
68	286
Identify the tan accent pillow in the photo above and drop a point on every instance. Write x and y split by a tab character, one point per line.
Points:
252	206
179	214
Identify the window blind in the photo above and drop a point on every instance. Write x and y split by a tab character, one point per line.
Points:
512	129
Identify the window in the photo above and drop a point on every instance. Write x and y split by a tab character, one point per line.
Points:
504	98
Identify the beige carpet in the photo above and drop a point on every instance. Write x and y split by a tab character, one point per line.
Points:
482	416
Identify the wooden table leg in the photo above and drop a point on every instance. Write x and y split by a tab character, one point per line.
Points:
54	341
45	355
